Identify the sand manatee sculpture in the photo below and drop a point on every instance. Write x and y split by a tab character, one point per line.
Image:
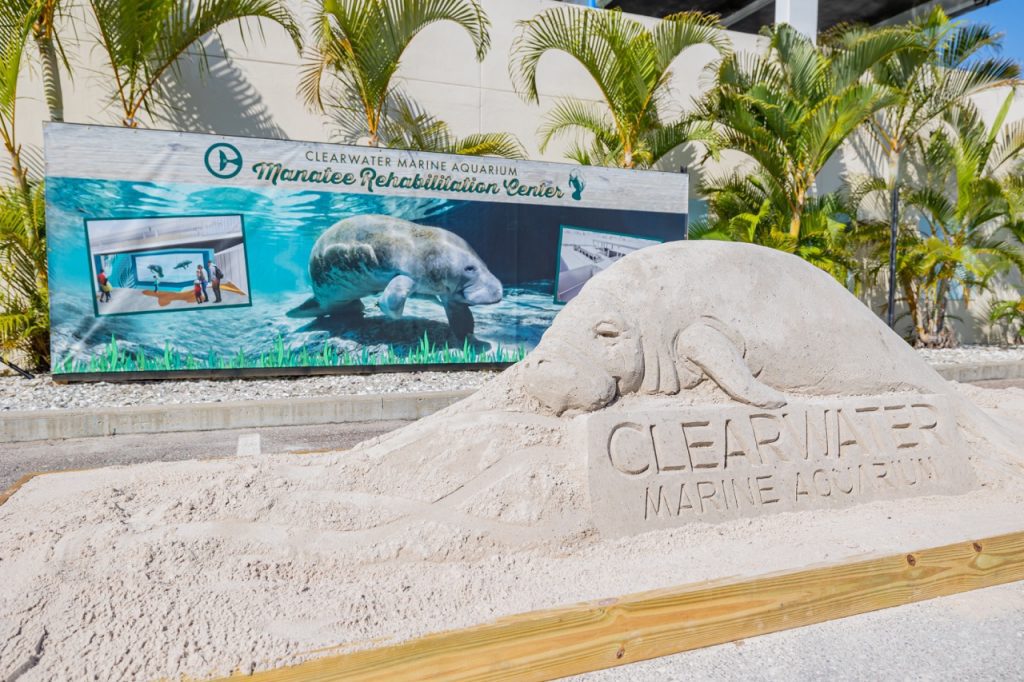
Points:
371	254
759	323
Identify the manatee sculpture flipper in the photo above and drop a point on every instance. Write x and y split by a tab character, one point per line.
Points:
392	301
718	357
460	318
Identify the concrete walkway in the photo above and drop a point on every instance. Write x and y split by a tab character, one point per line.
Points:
975	635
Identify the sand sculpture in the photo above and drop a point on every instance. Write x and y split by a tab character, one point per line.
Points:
702	381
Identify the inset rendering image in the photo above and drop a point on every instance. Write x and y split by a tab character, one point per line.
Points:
144	265
584	253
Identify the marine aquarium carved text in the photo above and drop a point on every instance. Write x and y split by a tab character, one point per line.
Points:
663	467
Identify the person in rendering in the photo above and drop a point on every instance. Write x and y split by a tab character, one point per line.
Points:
197	289
156	281
216	275
104	284
201	278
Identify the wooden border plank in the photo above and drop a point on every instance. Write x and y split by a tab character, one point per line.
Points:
595	635
7	494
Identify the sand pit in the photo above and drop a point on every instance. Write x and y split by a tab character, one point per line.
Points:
201	569
497	506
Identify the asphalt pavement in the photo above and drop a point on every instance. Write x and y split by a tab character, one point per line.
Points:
18	459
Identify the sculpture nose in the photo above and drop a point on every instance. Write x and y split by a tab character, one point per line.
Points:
561	384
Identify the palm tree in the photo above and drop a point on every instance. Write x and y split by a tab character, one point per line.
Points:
791	108
1009	313
943	70
24	301
630	65
361	43
407	125
24	293
749	207
963	199
16	20
143	40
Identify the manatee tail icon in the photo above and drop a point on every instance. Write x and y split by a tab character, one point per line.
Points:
225	161
578	184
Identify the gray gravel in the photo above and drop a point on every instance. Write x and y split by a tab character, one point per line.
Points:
43	394
966	354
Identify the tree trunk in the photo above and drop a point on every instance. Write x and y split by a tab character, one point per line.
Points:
51	78
21	179
796	221
913	308
944	336
940	306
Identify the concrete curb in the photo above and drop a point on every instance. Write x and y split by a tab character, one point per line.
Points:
33	425
30	425
982	371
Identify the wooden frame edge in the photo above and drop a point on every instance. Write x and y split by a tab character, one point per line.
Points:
16	486
602	634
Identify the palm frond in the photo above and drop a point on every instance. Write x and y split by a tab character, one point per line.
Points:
143	39
629	65
359	44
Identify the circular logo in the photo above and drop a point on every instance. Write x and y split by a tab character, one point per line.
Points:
223	160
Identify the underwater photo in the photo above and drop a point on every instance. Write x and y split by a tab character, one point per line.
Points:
171	276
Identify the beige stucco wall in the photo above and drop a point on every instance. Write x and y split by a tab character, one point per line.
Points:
251	89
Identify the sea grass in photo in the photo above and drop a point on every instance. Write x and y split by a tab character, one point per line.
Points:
113	357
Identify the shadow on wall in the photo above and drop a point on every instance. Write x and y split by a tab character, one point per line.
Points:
219	100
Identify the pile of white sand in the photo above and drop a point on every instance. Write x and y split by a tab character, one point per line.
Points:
205	568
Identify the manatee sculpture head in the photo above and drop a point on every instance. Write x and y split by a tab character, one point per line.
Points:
587	369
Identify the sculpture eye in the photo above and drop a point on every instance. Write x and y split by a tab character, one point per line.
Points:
470	268
606	330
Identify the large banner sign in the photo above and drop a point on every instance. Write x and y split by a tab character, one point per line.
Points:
177	251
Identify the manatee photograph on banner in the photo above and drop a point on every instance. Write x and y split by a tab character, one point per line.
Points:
180	251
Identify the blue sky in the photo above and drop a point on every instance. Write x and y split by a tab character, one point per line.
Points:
1007	17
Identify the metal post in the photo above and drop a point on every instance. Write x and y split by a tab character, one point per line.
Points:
894	223
17	369
800	14
686	218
